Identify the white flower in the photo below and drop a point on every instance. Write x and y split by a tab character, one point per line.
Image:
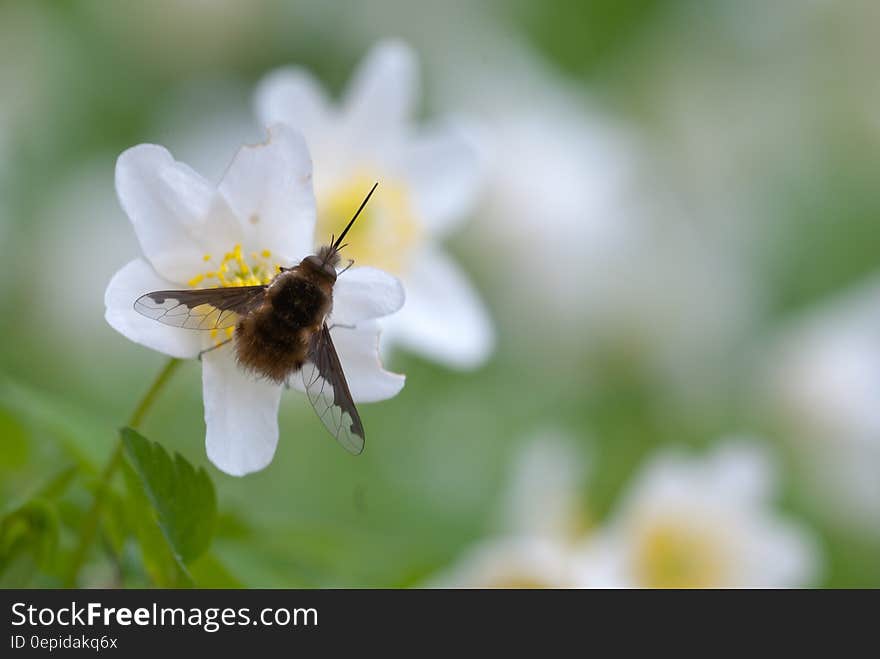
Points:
823	379
428	179
703	522
542	524
194	233
575	193
559	179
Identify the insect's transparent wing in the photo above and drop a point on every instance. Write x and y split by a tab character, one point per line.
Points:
328	393
200	309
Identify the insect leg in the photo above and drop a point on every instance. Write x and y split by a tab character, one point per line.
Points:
351	327
350	263
219	345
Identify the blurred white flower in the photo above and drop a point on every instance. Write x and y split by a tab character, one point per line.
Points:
579	224
428	180
261	214
560	181
822	374
542	523
703	522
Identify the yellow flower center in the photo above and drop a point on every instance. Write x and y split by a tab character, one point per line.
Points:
675	555
386	230
234	269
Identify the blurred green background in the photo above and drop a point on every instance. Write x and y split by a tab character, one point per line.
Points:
758	126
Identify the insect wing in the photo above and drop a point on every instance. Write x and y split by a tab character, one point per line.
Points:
200	309
328	393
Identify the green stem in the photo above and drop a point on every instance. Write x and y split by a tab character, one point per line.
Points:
90	525
149	398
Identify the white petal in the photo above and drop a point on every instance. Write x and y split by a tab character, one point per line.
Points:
743	471
128	284
515	562
779	553
359	355
176	214
241	415
358	351
443	170
269	188
365	293
443	317
292	96
382	93
544	496
604	560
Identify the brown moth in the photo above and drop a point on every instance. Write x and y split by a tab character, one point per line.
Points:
280	330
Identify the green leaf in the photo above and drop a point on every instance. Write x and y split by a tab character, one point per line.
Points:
161	563
182	496
210	572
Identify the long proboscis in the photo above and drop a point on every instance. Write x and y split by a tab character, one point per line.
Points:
336	244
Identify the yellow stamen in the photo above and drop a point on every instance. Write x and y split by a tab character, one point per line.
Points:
255	271
236	270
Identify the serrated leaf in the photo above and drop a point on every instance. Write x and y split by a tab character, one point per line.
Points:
161	563
182	496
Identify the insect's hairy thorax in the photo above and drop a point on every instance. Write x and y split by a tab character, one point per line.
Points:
299	299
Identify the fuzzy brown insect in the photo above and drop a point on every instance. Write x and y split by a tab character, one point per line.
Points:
280	330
